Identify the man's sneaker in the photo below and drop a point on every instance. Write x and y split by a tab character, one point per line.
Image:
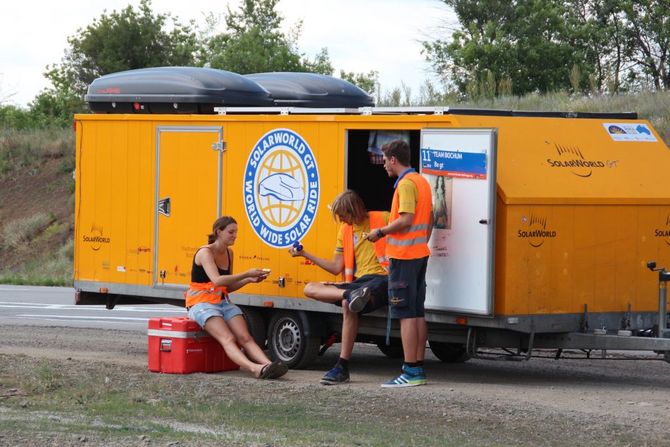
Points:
417	372
404	380
358	298
335	376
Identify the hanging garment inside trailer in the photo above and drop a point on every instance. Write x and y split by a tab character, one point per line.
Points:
174	90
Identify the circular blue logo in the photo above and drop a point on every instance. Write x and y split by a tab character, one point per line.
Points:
281	188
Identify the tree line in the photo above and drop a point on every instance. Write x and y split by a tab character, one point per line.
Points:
252	42
499	47
515	47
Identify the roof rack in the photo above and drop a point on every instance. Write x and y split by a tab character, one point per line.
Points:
427	110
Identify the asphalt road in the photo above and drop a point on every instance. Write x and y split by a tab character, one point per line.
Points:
54	306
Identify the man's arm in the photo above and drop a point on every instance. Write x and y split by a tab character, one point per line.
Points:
399	225
333	266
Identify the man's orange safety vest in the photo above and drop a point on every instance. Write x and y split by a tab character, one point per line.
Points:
377	220
413	242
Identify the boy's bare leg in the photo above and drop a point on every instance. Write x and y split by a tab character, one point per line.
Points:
349	331
324	292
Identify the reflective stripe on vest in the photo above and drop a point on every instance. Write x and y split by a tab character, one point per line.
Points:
413	242
205	292
377	220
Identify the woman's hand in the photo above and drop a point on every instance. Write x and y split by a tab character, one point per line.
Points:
257	275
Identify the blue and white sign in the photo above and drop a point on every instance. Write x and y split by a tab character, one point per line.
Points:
453	163
281	188
629	132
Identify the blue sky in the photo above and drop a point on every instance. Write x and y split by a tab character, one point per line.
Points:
360	35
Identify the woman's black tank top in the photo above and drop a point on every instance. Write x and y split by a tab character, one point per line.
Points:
198	273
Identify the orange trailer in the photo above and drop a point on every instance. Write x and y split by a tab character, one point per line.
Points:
545	221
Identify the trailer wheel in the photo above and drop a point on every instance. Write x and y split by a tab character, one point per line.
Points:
393	351
449	352
290	339
256	325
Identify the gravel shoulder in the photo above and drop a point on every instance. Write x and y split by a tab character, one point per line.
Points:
614	401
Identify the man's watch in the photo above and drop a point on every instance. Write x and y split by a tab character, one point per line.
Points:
380	233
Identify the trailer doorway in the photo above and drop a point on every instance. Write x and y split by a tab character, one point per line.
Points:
365	172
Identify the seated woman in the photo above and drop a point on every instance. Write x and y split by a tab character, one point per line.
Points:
207	301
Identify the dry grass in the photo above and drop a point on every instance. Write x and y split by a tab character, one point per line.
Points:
28	149
19	233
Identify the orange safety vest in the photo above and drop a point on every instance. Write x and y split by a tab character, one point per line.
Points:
413	242
205	292
377	220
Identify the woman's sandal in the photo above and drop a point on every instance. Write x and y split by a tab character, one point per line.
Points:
273	370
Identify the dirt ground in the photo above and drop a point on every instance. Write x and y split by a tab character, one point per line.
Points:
493	400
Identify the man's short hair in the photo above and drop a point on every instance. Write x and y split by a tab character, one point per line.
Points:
398	149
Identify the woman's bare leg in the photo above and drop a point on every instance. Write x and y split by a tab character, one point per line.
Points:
238	325
217	328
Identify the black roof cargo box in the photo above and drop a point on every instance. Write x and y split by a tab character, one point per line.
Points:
173	90
293	89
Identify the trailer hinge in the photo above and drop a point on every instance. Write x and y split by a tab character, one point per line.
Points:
219	146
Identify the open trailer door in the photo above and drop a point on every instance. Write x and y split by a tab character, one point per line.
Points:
460	167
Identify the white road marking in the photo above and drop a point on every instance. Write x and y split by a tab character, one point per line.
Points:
77	317
9	304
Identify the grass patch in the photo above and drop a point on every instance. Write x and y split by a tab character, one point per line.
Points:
50	269
112	405
27	149
18	234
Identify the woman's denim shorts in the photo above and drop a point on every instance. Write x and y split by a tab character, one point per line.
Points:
202	312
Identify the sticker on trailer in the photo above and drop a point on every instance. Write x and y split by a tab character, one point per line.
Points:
281	188
629	132
453	163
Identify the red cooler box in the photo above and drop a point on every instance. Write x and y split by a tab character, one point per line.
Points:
177	345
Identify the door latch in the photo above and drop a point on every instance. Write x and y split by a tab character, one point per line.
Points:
219	146
164	206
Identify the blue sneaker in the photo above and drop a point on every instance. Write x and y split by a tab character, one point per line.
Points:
411	376
335	376
418	373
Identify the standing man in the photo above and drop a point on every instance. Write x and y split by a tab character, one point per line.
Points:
407	235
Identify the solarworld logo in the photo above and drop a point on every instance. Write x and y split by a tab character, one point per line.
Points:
535	230
664	233
572	159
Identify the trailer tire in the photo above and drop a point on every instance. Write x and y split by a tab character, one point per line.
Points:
256	325
290	339
449	352
393	351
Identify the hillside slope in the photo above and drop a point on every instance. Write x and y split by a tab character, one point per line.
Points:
36	206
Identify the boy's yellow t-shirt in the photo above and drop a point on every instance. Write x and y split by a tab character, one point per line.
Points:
364	250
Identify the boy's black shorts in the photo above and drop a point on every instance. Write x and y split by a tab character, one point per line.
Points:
379	290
